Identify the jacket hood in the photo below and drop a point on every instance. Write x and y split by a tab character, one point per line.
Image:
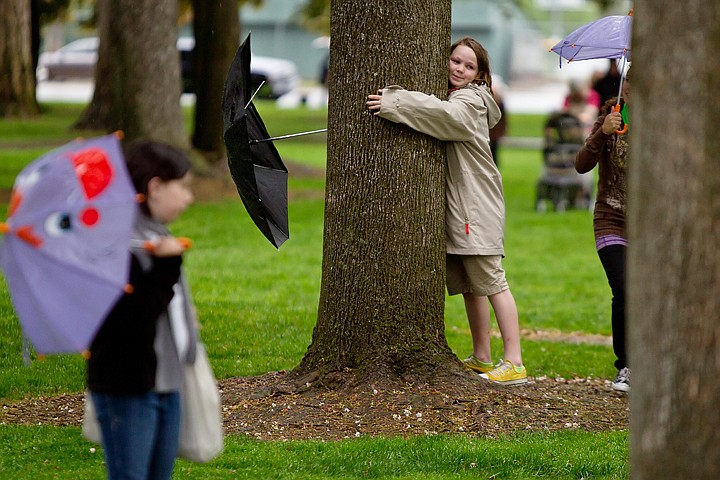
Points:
493	111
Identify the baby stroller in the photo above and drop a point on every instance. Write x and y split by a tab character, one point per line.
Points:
559	183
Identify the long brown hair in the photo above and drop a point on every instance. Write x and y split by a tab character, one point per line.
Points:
483	59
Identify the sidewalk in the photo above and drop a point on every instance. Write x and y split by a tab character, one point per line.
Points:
528	143
542	97
539	97
526	98
80	91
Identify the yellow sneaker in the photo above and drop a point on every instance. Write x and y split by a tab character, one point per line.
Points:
474	363
507	374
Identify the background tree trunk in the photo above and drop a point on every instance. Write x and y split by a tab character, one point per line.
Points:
17	76
382	294
137	77
35	11
674	230
105	109
217	37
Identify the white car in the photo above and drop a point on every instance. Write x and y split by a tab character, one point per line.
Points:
77	60
280	76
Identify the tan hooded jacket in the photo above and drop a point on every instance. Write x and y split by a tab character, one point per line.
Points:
475	208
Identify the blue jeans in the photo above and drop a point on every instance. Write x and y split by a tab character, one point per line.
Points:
140	434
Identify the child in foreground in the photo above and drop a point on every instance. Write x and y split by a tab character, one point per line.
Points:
135	368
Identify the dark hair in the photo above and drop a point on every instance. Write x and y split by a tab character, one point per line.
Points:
147	159
483	59
611	102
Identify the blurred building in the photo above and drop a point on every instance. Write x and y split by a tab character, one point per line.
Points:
497	24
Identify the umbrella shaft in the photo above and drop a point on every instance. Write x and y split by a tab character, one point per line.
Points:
253	142
622	78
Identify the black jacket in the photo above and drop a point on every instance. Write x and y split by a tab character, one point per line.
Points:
122	355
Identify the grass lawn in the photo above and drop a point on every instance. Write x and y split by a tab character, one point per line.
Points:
258	307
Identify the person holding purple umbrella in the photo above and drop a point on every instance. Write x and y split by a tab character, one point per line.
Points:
135	364
609	150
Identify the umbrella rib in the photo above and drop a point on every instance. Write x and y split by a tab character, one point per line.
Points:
256	92
282	137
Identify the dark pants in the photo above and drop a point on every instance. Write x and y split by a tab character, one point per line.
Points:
613	261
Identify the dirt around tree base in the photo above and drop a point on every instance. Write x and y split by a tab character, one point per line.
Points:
384	409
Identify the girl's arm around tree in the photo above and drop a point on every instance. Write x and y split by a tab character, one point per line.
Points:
456	119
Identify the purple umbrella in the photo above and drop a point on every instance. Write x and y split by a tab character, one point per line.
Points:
65	253
608	37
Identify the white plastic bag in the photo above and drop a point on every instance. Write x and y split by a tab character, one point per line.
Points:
201	430
90	426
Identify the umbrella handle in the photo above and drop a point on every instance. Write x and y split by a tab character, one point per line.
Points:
625	126
185	242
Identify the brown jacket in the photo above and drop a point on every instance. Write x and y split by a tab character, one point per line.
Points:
610	153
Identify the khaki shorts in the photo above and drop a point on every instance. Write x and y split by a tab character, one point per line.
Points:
481	275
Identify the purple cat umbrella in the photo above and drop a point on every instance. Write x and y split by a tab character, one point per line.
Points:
65	251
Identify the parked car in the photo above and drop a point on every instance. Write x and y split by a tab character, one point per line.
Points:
77	60
280	76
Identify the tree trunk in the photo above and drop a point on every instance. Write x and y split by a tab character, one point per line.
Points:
17	76
217	37
674	231
137	77
35	11
105	110
382	293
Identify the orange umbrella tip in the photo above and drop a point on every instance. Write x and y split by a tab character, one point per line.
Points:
120	134
149	246
4	227
140	198
85	354
185	242
128	289
630	13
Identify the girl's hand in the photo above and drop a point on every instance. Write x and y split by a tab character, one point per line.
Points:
374	102
168	246
612	122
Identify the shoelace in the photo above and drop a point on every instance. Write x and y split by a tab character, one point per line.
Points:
502	369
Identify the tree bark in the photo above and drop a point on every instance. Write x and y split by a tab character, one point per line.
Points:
674	232
17	76
105	109
382	294
217	37
137	77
